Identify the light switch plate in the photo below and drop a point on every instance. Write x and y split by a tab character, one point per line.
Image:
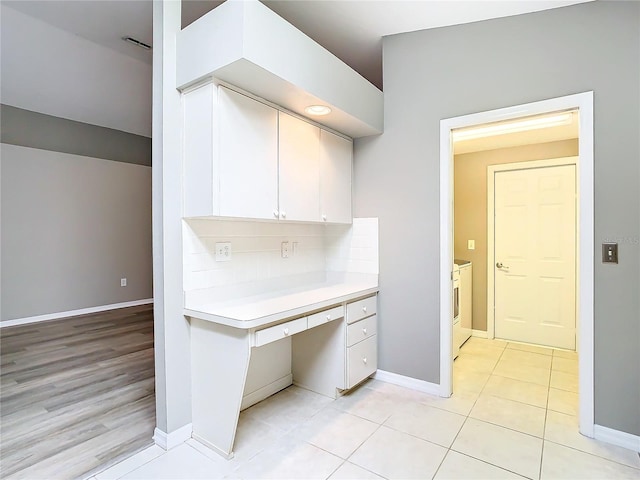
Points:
223	251
609	253
471	244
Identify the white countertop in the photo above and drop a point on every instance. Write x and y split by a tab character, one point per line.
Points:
274	306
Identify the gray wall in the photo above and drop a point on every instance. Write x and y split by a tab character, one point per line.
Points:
446	72
46	132
72	225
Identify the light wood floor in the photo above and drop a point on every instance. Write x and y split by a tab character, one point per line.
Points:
76	393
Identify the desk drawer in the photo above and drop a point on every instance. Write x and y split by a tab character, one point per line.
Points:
360	330
362	360
277	332
326	316
361	309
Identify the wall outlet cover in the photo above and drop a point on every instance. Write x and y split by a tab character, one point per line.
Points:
123	282
223	251
471	244
284	248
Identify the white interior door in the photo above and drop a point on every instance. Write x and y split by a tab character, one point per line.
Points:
535	255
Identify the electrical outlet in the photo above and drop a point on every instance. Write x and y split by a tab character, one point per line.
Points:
123	282
284	249
223	251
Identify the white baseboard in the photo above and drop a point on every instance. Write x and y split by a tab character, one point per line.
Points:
408	382
266	391
169	440
616	437
479	333
73	313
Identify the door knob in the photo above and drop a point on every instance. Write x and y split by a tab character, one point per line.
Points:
500	265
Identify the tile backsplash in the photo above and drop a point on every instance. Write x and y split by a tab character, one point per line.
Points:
256	250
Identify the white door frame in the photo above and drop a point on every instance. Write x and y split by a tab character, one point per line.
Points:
508	167
583	102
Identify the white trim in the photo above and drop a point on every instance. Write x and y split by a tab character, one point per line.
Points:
408	382
584	103
167	441
266	391
73	313
446	258
479	333
508	167
616	437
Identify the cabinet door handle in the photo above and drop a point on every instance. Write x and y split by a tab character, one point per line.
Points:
286	331
364	331
364	360
283	214
364	309
328	317
276	213
324	218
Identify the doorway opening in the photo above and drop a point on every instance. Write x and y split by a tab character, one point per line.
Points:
582	105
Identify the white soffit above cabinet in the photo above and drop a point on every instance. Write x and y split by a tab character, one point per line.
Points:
246	44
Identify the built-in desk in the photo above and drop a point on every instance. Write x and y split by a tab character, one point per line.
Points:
332	326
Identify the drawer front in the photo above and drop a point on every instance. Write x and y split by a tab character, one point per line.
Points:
361	309
277	332
326	316
362	360
361	330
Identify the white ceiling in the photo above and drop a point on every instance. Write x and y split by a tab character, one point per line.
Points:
350	29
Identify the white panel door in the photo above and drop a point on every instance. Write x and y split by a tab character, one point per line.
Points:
335	178
247	156
299	169
535	255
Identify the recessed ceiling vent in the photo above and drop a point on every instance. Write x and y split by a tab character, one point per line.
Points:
137	42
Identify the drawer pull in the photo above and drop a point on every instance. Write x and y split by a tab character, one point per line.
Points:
283	214
276	213
364	331
286	331
364	309
364	360
328	317
324	218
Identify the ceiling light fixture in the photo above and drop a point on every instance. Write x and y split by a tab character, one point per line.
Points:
137	42
518	125
317	110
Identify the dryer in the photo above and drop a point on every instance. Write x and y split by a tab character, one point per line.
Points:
465	301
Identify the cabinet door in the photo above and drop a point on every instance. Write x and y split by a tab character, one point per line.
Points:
335	178
199	178
299	169
247	156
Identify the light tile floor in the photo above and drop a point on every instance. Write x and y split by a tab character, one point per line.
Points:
512	415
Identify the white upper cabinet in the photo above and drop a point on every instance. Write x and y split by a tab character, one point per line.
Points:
246	159
198	176
335	178
299	168
247	156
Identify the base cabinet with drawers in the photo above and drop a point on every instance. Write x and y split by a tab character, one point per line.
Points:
362	349
337	356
